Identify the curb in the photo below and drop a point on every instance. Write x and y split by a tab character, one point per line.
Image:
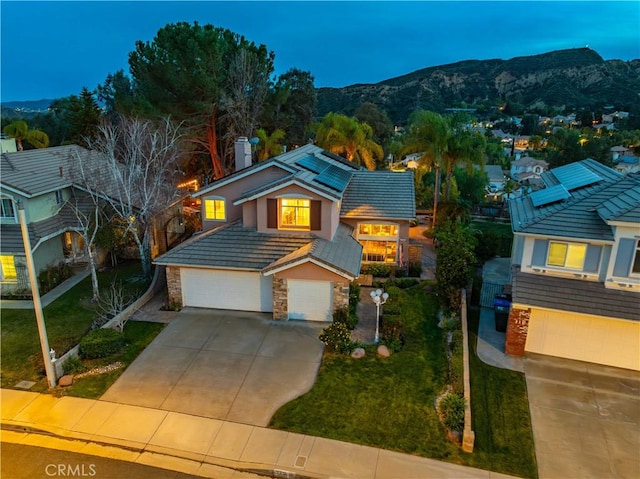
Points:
156	456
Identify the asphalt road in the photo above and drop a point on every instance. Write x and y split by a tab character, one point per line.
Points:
29	462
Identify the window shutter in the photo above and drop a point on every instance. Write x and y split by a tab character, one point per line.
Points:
624	257
316	215
539	255
592	259
272	213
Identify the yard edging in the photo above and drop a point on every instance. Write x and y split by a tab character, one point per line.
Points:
468	435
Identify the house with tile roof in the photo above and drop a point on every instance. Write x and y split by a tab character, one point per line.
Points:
43	181
576	267
287	235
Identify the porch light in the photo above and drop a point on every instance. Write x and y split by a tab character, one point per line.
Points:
379	298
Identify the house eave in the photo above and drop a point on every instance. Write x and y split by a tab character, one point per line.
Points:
280	186
284	267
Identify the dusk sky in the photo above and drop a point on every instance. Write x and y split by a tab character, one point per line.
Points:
53	49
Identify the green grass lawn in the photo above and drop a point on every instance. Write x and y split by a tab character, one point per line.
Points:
67	319
389	403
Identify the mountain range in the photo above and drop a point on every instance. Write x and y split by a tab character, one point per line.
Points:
564	79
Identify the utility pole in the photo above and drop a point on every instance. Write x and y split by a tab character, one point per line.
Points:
35	292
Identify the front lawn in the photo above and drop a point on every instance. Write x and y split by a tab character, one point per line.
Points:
67	319
137	335
389	403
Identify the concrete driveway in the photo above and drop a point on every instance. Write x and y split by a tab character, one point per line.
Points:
585	418
226	365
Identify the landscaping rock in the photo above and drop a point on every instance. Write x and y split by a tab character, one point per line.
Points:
383	351
358	353
66	380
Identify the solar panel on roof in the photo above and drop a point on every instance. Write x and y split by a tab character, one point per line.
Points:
575	175
334	177
549	195
313	163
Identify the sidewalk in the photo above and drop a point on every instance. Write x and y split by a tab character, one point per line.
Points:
202	446
51	296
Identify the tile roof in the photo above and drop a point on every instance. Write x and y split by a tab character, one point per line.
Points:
234	247
380	194
575	295
65	220
580	215
343	253
34	172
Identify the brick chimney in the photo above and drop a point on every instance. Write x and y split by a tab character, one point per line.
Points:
242	153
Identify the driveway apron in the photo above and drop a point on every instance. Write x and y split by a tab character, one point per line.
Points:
228	365
585	418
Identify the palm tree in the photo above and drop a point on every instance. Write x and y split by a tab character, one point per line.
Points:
429	133
269	145
347	136
21	132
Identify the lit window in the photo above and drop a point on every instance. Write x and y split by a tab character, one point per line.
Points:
635	268
295	213
379	251
366	229
566	255
7	208
8	271
379	242
214	210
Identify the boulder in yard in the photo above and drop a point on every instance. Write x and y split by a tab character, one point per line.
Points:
358	353
66	380
383	351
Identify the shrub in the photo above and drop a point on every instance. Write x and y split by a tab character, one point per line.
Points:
451	409
415	270
344	316
379	270
404	283
337	337
52	276
100	343
74	365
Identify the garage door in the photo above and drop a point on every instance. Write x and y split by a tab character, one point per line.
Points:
224	289
310	300
585	338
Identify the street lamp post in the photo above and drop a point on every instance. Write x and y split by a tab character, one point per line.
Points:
47	354
379	298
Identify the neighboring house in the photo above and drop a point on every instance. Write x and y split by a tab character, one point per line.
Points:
627	164
7	145
526	169
496	177
286	236
41	179
576	267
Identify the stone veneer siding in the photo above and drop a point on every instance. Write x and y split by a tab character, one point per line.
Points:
280	301
340	295
174	286
517	329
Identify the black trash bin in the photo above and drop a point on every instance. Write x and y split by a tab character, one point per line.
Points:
501	308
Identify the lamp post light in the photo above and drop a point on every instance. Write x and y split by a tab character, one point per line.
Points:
379	298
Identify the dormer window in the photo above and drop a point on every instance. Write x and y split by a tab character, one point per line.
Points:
295	213
214	209
635	267
567	255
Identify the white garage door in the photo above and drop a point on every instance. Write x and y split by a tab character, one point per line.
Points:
585	338
238	290
310	300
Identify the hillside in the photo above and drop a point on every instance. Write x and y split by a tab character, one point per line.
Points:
569	79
